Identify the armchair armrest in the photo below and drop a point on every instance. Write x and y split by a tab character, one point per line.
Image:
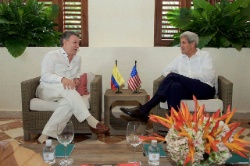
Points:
225	91
156	85
96	97
28	91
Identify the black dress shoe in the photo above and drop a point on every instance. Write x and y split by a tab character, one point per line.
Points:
135	113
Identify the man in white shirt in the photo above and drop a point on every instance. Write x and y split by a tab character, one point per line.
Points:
191	73
59	78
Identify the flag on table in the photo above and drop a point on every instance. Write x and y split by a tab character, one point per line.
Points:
134	80
116	79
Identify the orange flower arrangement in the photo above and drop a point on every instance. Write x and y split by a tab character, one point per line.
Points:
198	138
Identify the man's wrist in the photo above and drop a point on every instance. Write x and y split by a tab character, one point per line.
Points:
62	79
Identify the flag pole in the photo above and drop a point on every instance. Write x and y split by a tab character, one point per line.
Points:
136	90
118	89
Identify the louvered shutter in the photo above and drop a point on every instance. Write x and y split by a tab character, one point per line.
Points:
163	30
73	16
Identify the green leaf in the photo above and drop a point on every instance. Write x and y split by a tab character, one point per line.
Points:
179	17
235	5
52	12
247	43
203	5
224	42
15	47
245	12
238	46
3	21
204	40
176	41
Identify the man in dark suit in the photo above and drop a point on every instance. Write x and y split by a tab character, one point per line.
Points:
190	73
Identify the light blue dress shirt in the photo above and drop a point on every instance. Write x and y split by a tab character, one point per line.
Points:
199	66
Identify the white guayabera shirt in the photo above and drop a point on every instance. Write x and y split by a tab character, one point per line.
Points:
200	66
55	66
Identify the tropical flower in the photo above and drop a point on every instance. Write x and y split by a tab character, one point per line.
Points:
198	138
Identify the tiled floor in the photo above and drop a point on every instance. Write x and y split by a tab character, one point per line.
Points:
12	129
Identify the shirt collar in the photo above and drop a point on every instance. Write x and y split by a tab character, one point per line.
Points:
196	54
65	55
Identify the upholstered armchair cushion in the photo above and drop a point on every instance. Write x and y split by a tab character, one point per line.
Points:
211	105
37	104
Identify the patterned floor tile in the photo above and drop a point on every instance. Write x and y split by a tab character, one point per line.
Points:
11	125
15	132
4	136
12	129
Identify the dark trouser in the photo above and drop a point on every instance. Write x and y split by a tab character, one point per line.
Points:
176	87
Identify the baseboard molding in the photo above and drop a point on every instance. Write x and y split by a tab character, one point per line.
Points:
10	114
241	115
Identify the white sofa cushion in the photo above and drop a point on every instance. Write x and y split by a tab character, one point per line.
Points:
37	104
211	105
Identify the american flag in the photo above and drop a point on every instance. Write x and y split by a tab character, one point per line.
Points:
134	80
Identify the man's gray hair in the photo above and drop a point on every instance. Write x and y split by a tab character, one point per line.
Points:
191	37
66	36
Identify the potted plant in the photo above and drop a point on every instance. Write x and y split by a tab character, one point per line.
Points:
226	24
27	23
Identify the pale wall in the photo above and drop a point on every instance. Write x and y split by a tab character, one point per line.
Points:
121	30
121	23
230	63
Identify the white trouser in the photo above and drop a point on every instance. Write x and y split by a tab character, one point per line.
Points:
70	102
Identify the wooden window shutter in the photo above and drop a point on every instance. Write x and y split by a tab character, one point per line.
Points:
73	16
163	30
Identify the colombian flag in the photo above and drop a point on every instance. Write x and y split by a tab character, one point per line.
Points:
116	78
